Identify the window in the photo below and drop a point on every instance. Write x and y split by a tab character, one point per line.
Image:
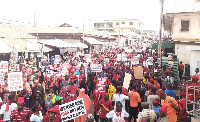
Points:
130	23
117	23
185	25
122	22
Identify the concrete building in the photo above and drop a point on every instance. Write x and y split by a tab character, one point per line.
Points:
184	29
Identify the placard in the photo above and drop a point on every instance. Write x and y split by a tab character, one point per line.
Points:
127	79
96	68
119	57
101	84
135	60
15	82
72	110
2	80
138	72
88	58
150	61
106	60
4	66
124	57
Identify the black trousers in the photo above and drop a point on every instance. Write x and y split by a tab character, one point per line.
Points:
133	112
102	120
181	74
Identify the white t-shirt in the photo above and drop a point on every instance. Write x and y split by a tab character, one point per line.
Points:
122	99
6	114
112	115
36	118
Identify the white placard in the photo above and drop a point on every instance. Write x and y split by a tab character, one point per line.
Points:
119	57
96	68
88	58
150	61
72	110
124	57
4	66
15	82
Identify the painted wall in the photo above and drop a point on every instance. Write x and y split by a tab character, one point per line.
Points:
195	57
182	53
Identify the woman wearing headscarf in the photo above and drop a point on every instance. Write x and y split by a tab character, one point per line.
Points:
37	114
87	104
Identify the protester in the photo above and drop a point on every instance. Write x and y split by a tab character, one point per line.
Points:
37	114
27	97
169	91
181	70
151	97
182	104
120	97
73	90
163	114
52	116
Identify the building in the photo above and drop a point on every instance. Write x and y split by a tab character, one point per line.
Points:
184	29
106	25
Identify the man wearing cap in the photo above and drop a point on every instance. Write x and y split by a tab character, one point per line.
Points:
7	108
37	88
182	104
171	103
163	114
52	116
181	69
27	97
21	114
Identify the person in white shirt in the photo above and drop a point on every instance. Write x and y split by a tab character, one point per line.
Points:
6	109
118	114
120	97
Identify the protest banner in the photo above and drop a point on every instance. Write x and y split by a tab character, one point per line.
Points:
2	80
96	68
57	59
138	72
150	61
72	110
127	79
88	58
4	66
119	57
135	60
15	82
106	60
124	57
101	84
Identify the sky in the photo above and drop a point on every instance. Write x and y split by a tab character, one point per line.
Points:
73	12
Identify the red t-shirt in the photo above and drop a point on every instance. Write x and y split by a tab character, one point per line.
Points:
57	119
107	104
72	90
182	105
181	67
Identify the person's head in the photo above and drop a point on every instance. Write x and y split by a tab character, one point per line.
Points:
36	108
163	111
118	106
183	93
90	118
133	87
20	103
168	85
36	83
58	100
106	97
66	76
38	96
12	98
156	101
145	105
153	90
72	82
119	90
51	113
197	70
161	94
145	119
51	91
195	78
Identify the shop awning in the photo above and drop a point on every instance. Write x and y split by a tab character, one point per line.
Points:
4	48
92	41
164	45
56	43
81	45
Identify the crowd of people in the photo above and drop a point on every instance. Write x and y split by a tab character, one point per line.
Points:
46	85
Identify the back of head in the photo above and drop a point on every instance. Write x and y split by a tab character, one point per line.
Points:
145	105
168	85
11	97
119	90
145	119
153	90
34	108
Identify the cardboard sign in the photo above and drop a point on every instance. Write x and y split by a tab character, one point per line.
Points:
150	61
101	84
127	79
2	80
138	72
4	66
88	58
135	60
15	82
72	110
96	68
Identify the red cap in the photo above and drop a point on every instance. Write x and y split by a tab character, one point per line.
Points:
164	109
150	85
156	101
183	93
195	77
20	100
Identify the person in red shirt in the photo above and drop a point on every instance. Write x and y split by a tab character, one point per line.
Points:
182	104
97	97
181	69
105	105
52	116
73	90
21	114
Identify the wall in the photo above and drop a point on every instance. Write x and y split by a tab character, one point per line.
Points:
194	27
136	24
182	53
195	57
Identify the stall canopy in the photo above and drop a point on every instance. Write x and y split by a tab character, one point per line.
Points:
4	47
81	45
92	41
56	43
164	45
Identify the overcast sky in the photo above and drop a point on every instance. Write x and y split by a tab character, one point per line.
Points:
57	12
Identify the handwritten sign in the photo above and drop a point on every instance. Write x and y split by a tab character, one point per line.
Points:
135	60
96	68
150	61
4	66
101	84
124	57
15	82
119	57
88	58
72	110
138	72
127	79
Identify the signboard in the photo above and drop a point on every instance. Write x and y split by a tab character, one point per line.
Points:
170	57
88	58
57	59
2	80
15	82
4	66
106	60
124	57
150	60
72	110
135	60
127	79
138	72
101	84
119	57
96	68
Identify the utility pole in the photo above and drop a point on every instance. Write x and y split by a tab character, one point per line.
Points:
160	31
